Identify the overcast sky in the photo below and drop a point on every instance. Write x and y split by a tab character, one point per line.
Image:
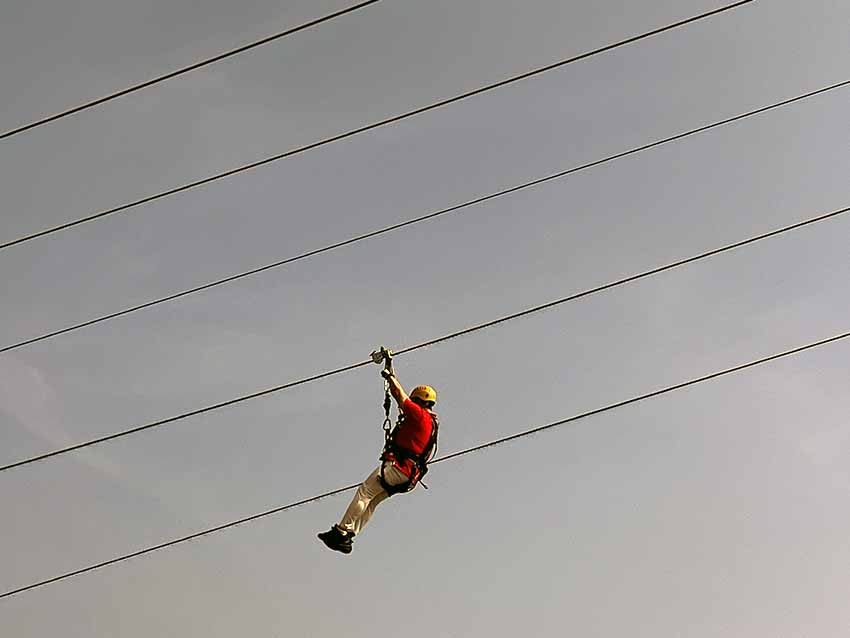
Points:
719	510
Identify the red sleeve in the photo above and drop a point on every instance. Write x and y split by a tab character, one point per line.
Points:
415	412
410	407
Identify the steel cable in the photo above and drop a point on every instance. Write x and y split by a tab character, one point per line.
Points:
431	342
477	448
369	127
417	220
181	71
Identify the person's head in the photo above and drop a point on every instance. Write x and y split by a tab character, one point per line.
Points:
424	395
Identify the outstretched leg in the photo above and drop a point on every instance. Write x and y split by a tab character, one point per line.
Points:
369	495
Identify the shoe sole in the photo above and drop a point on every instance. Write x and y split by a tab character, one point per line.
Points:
337	548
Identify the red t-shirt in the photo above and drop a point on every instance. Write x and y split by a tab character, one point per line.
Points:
413	433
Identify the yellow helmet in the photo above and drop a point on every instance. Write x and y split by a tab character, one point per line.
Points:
424	393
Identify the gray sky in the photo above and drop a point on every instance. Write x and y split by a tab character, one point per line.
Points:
721	510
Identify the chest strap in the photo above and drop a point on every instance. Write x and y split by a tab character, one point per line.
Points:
420	461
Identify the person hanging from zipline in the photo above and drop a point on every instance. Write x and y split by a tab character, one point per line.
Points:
408	448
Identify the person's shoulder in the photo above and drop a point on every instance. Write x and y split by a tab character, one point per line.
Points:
411	407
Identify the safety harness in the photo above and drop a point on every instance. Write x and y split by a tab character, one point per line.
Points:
393	450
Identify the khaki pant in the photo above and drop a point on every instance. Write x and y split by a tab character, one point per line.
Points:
369	495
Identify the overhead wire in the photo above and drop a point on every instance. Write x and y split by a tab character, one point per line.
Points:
466	331
430	342
477	448
420	219
374	125
192	67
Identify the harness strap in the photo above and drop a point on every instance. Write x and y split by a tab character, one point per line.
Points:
420	460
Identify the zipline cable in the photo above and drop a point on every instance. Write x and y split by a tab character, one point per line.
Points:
454	335
454	455
423	218
187	69
369	127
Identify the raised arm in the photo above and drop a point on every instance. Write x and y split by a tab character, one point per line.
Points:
396	390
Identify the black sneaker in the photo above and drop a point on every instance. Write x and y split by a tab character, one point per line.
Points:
337	539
